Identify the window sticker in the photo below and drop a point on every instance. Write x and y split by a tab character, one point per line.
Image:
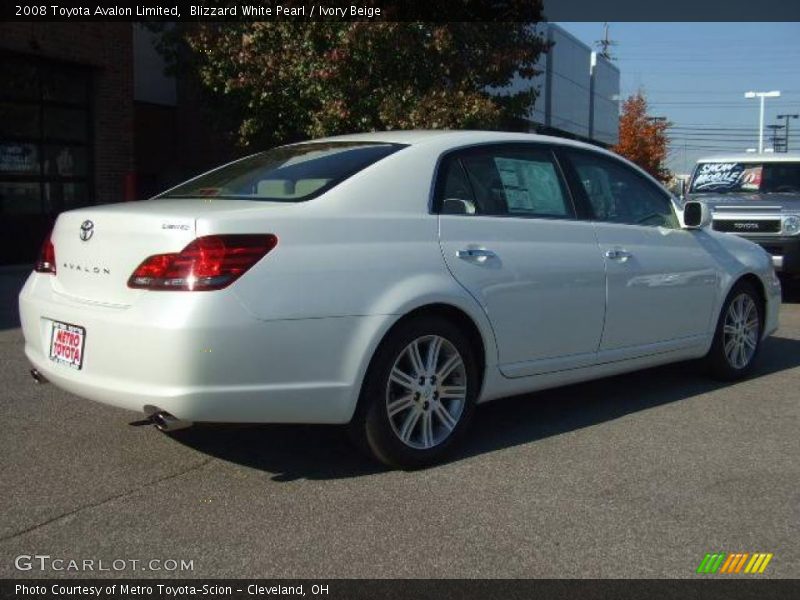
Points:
718	176
751	178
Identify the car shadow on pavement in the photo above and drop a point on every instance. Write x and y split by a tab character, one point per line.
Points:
11	281
791	290
292	452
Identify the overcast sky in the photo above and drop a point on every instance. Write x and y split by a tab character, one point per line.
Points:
695	74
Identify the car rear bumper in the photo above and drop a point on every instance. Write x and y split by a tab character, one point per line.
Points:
203	357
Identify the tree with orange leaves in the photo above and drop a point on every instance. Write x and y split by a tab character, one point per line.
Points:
642	138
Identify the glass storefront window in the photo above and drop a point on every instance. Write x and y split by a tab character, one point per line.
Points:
65	161
20	80
65	85
20	197
59	197
19	159
19	120
66	124
45	148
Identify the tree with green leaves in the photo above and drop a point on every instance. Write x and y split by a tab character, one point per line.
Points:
281	81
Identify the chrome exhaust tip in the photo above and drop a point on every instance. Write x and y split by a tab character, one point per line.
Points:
38	377
167	423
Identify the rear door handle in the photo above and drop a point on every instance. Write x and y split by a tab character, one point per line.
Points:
480	254
618	254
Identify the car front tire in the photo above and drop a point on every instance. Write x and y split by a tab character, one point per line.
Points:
737	339
419	394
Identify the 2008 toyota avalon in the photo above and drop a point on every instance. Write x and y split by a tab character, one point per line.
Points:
389	281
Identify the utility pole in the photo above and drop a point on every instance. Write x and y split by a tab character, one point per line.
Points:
762	95
786	139
605	44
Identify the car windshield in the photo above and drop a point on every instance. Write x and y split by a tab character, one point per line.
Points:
285	174
752	177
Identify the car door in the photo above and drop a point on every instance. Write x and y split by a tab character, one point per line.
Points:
661	283
509	235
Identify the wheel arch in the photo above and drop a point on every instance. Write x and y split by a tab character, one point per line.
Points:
758	285
456	316
745	277
480	340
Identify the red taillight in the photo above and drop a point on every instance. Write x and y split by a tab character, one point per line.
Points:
46	263
208	263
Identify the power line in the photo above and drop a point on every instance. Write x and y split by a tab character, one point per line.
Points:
706	103
714	126
704	128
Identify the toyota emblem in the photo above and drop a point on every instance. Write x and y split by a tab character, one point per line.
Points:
87	230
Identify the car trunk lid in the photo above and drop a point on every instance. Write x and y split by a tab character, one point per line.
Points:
98	248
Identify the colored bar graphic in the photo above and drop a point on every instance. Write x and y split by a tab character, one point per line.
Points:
741	562
732	563
711	563
703	564
765	563
758	563
732	560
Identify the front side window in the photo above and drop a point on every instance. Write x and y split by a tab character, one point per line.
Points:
618	194
750	177
285	174
511	181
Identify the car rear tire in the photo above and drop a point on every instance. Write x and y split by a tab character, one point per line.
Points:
419	394
737	339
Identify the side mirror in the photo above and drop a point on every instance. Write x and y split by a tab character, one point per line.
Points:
696	215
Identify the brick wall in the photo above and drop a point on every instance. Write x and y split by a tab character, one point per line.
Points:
108	49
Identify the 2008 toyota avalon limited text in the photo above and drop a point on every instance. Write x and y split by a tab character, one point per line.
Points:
391	282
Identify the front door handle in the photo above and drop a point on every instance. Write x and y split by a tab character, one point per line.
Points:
478	254
618	254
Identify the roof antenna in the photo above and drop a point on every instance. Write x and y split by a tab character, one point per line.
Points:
605	44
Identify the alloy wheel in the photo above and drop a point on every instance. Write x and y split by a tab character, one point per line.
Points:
426	392
740	331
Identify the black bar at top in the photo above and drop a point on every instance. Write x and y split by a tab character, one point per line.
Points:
406	10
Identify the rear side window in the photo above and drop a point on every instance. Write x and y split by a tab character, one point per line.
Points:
286	174
513	181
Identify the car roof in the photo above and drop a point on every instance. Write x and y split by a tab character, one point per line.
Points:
457	137
764	157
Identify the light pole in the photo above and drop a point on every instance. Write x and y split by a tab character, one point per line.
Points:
787	117
762	95
775	138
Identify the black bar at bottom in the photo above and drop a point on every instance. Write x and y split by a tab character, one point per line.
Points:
707	587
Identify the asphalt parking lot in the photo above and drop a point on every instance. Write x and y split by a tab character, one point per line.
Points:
633	476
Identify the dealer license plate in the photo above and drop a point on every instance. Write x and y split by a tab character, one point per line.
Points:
66	344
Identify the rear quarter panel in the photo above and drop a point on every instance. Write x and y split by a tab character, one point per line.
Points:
369	247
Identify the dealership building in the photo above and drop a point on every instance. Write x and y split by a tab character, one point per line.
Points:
578	91
87	116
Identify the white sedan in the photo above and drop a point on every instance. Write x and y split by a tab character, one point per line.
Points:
389	281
